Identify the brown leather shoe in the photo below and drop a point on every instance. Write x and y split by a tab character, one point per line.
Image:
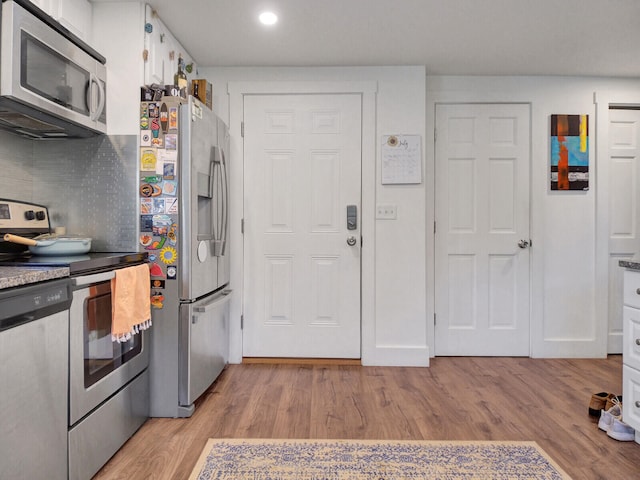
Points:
598	403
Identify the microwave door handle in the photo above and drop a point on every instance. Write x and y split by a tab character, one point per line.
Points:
102	100
95	114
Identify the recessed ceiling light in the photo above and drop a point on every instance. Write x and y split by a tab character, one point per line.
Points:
268	18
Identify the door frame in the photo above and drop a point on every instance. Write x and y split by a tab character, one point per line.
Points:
236	92
603	100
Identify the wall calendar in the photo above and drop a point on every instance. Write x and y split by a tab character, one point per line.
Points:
401	159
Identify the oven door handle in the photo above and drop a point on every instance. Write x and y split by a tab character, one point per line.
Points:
90	279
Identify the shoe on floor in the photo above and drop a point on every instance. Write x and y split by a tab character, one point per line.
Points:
621	431
607	417
598	403
613	400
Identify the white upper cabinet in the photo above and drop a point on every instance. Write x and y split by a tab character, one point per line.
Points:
157	49
140	50
73	14
162	51
43	5
76	16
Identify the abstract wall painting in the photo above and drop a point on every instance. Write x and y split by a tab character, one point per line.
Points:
569	152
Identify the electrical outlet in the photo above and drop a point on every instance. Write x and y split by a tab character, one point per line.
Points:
386	212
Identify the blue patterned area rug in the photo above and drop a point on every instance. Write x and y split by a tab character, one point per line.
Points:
264	459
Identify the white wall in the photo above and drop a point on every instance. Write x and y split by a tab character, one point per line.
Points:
567	288
394	304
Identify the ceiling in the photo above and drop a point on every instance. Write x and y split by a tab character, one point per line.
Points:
466	37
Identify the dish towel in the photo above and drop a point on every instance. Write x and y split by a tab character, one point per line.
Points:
130	302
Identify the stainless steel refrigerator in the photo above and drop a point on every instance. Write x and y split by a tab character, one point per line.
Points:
184	205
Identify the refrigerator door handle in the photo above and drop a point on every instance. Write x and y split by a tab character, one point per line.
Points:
215	217
221	220
225	205
215	164
212	303
212	172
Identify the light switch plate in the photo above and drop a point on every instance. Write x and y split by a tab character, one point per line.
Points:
386	212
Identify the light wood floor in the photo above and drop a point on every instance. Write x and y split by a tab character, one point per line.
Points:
454	399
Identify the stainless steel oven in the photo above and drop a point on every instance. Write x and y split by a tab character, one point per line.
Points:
108	381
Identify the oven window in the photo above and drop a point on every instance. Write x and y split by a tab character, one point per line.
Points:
101	355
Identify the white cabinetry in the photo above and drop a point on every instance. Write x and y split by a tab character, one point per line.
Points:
140	50
44	5
162	51
73	14
76	16
631	351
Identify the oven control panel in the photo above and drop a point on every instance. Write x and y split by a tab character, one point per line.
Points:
18	216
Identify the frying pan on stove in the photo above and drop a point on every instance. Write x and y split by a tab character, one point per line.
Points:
52	245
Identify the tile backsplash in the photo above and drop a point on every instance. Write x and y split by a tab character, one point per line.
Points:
16	166
89	185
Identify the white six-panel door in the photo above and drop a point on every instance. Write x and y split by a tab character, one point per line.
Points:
624	211
302	157
482	224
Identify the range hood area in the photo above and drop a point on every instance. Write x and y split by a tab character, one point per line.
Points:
29	121
52	84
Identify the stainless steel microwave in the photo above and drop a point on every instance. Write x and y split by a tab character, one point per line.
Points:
52	84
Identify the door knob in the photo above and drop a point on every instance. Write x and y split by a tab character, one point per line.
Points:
351	240
523	243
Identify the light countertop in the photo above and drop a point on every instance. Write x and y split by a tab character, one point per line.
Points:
17	276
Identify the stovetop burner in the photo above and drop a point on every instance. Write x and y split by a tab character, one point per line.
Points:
78	264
